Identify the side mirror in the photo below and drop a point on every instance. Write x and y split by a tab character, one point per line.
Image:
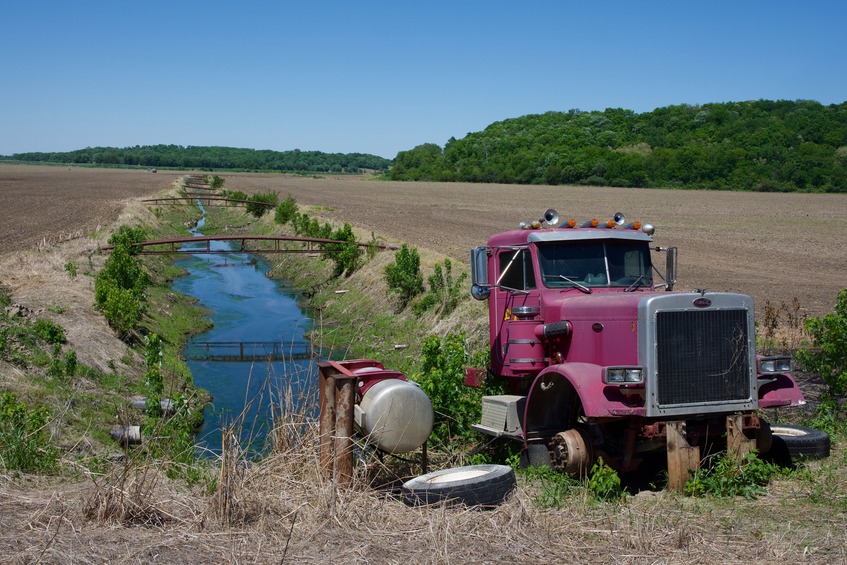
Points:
670	274
480	289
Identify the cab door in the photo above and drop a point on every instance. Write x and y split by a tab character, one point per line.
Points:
516	349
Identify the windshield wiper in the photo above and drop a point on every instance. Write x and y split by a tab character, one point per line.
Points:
580	286
635	285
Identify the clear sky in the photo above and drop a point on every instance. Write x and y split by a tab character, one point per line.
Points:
384	76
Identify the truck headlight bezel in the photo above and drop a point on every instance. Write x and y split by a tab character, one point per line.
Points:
624	375
775	365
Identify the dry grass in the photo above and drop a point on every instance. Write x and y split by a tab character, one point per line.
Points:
279	511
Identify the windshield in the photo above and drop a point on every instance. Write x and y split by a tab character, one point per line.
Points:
593	263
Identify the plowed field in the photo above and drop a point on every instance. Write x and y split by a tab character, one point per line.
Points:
773	246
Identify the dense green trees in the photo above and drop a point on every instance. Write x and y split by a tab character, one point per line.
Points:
197	157
761	145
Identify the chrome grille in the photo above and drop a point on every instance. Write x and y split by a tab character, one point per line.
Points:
702	356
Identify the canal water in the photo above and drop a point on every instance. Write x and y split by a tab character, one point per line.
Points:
256	355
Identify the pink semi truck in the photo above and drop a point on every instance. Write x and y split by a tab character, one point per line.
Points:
604	359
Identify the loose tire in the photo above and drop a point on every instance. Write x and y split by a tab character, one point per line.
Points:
792	444
472	485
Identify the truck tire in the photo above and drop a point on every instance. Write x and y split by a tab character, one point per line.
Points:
536	455
793	444
472	485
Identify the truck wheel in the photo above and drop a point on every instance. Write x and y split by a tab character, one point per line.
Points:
472	485
764	438
792	444
571	452
536	455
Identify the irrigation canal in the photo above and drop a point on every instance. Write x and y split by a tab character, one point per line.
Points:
257	348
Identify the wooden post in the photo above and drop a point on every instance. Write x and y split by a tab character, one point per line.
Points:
683	459
736	442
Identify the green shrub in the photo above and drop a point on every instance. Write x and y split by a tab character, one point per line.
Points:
119	286
215	181
234	194
404	275
24	438
442	378
261	202
71	269
604	482
285	211
50	331
828	358
724	476
346	255
443	290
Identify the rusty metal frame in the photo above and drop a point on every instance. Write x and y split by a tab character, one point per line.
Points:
174	245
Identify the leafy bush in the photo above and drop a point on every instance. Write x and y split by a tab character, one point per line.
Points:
119	286
71	269
261	202
24	441
234	194
442	378
404	275
443	290
50	331
285	211
604	482
214	181
829	360
345	255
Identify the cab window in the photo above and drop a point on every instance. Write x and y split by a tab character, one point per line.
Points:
516	269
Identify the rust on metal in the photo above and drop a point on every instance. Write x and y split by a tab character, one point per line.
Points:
337	400
206	200
176	245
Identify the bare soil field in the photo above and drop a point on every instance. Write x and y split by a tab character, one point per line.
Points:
49	204
772	246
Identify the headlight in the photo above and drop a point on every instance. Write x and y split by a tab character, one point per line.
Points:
623	375
775	365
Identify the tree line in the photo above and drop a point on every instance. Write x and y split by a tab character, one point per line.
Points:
758	145
210	158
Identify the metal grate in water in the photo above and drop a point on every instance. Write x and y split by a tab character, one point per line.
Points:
702	356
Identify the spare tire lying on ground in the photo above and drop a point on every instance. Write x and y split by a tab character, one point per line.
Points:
793	444
473	485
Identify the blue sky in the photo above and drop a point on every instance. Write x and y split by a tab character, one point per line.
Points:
382	77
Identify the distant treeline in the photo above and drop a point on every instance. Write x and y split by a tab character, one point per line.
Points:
192	157
761	145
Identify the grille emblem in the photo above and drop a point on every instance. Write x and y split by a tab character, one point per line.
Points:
702	302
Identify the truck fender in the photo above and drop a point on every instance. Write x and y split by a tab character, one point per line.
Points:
779	390
560	394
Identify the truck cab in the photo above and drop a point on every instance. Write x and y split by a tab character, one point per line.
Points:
601	355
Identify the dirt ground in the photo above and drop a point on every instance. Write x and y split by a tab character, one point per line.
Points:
772	246
45	204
